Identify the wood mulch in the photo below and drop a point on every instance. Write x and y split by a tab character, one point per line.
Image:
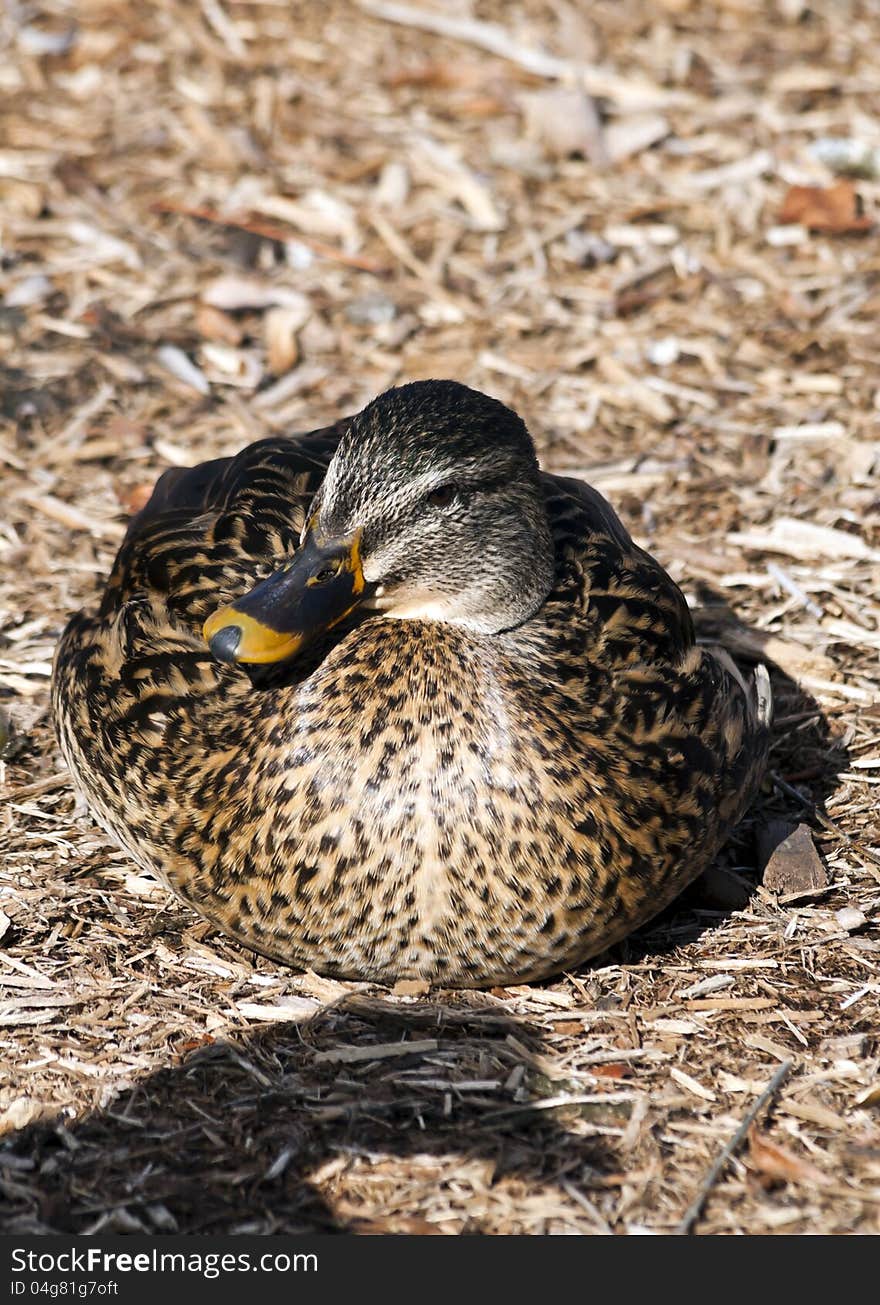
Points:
227	218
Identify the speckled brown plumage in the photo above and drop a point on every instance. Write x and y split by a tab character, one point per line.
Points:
410	798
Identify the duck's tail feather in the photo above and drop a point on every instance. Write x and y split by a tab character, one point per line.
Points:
762	696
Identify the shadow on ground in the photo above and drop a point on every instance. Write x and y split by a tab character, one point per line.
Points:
225	1141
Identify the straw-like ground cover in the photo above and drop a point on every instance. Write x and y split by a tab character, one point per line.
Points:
229	218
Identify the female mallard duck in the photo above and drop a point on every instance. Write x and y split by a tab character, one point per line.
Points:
389	702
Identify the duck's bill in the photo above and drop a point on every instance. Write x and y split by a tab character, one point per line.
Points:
284	613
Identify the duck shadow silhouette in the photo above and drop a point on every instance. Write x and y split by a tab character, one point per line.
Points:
229	1139
226	1141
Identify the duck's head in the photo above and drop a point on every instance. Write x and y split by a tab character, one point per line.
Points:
432	507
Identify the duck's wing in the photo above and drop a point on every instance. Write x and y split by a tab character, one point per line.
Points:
211	531
586	506
633	611
680	728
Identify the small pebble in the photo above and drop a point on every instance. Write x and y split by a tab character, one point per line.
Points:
792	233
850	918
663	352
297	255
32	290
37	41
847	156
371	310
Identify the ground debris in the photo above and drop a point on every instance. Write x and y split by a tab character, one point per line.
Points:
790	859
228	221
836	209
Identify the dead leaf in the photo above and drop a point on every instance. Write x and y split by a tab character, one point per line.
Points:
775	1162
136	497
614	1070
570	1029
791	862
836	209
483	106
193	1044
326	990
440	76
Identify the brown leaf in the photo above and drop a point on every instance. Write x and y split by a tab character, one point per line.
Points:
440	76
193	1044
791	862
136	496
835	209
569	1028
773	1161
615	1070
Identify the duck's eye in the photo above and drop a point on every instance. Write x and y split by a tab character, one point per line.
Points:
443	496
325	575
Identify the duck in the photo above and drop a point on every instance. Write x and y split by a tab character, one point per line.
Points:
387	701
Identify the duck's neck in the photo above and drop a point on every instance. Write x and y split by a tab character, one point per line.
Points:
497	585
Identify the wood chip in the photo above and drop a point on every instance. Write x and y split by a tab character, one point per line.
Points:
691	1084
182	368
291	1008
622	278
378	1051
814	1113
633	134
730	1003
803	539
791	862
